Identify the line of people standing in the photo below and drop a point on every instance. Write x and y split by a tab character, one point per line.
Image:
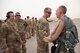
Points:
14	33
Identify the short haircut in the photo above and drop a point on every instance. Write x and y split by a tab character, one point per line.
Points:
27	16
46	9
35	17
8	14
63	8
32	17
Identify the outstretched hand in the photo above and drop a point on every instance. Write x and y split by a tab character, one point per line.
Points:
46	39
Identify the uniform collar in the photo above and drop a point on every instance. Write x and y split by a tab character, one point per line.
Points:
45	18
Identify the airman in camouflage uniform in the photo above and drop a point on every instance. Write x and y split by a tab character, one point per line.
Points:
28	28
33	26
11	41
36	24
43	30
21	29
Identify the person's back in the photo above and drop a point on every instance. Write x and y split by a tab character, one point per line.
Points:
68	22
70	36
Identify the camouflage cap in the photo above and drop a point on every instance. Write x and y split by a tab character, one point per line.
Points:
17	13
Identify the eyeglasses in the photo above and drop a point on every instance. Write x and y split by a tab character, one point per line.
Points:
48	12
18	15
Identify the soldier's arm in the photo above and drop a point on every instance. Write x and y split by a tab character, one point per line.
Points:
54	30
43	29
58	31
25	24
18	38
48	29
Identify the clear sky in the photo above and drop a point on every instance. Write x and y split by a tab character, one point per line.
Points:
34	8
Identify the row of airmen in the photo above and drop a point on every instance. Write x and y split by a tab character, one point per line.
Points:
14	32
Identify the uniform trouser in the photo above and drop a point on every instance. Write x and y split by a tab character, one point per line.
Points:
42	47
24	48
24	43
41	50
33	32
15	49
61	48
28	32
27	35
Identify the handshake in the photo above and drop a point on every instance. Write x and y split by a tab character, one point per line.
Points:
47	39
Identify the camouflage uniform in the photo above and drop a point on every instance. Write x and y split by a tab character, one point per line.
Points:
21	29
10	38
43	30
33	27
1	42
36	24
28	28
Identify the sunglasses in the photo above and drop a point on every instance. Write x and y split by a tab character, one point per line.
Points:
18	15
48	12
